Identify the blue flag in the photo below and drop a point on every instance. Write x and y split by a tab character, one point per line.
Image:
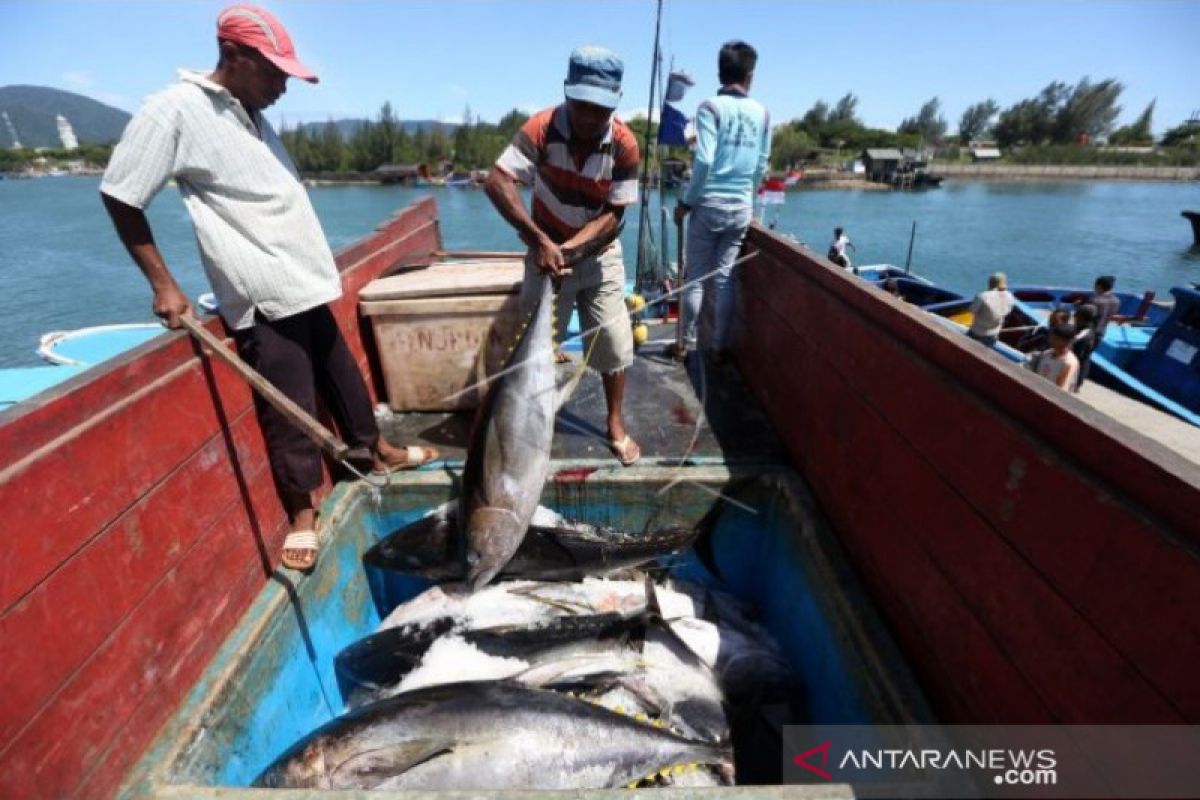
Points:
673	121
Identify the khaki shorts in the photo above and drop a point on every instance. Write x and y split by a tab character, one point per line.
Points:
596	286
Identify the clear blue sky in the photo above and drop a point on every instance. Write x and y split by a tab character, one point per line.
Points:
432	59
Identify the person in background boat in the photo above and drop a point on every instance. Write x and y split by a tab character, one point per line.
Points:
1039	337
582	162
1107	304
892	287
733	142
1085	341
837	250
1058	364
262	247
989	309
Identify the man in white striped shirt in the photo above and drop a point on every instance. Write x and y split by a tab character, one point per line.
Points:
261	244
582	162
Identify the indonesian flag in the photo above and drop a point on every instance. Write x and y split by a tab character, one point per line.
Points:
793	178
772	191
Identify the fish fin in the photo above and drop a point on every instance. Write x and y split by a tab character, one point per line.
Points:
387	762
595	683
653	609
703	546
567	387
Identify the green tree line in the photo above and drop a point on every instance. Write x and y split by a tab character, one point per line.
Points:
1058	116
94	154
473	144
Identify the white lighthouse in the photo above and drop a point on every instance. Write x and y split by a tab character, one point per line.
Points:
66	134
12	131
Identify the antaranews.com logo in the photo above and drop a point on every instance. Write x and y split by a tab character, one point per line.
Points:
1009	767
965	761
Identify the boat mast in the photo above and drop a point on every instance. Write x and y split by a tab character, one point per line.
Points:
644	268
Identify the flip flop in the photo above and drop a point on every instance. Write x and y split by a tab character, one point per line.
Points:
626	450
415	456
304	541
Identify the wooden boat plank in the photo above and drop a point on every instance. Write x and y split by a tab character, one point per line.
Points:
114	571
62	746
1166	429
99	470
73	429
1022	613
922	606
1101	566
815	303
1152	477
448	280
1098	568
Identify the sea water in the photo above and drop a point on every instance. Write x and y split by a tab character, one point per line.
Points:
62	267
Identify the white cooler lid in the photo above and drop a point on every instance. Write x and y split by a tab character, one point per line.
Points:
448	279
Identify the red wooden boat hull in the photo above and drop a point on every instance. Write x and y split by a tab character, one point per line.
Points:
139	521
1037	561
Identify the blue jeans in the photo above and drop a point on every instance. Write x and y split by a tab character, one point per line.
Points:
716	229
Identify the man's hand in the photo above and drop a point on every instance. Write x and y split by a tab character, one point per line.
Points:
169	305
681	212
550	258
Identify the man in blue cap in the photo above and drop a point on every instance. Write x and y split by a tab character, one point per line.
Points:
582	162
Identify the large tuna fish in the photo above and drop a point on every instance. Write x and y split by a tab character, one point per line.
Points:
554	548
485	736
509	452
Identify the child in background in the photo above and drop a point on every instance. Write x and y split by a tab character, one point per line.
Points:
1058	364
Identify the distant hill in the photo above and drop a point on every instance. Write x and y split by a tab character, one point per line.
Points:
347	127
32	111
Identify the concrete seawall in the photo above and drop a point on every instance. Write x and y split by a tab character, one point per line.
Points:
1025	172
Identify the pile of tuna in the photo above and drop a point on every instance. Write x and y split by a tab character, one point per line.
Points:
528	684
540	685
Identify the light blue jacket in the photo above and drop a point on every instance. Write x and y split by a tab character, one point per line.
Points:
733	143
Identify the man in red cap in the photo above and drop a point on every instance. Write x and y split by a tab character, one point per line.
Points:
261	244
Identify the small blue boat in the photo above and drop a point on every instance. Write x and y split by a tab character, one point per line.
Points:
1150	353
70	353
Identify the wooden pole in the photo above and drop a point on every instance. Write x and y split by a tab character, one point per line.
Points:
483	254
325	439
911	237
680	280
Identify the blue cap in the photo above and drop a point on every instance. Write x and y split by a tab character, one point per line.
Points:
594	76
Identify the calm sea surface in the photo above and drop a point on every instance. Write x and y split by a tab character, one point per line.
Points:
62	267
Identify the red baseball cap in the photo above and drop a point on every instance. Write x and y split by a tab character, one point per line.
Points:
256	27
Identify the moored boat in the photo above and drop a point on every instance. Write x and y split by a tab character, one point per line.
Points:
1020	544
70	353
1149	352
948	305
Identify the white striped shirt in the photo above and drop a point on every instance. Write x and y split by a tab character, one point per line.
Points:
260	241
566	194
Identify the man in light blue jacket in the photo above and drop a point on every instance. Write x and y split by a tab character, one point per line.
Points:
733	142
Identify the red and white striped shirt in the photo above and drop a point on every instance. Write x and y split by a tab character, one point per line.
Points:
571	189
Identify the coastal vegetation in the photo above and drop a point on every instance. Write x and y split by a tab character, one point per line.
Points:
387	140
1061	124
